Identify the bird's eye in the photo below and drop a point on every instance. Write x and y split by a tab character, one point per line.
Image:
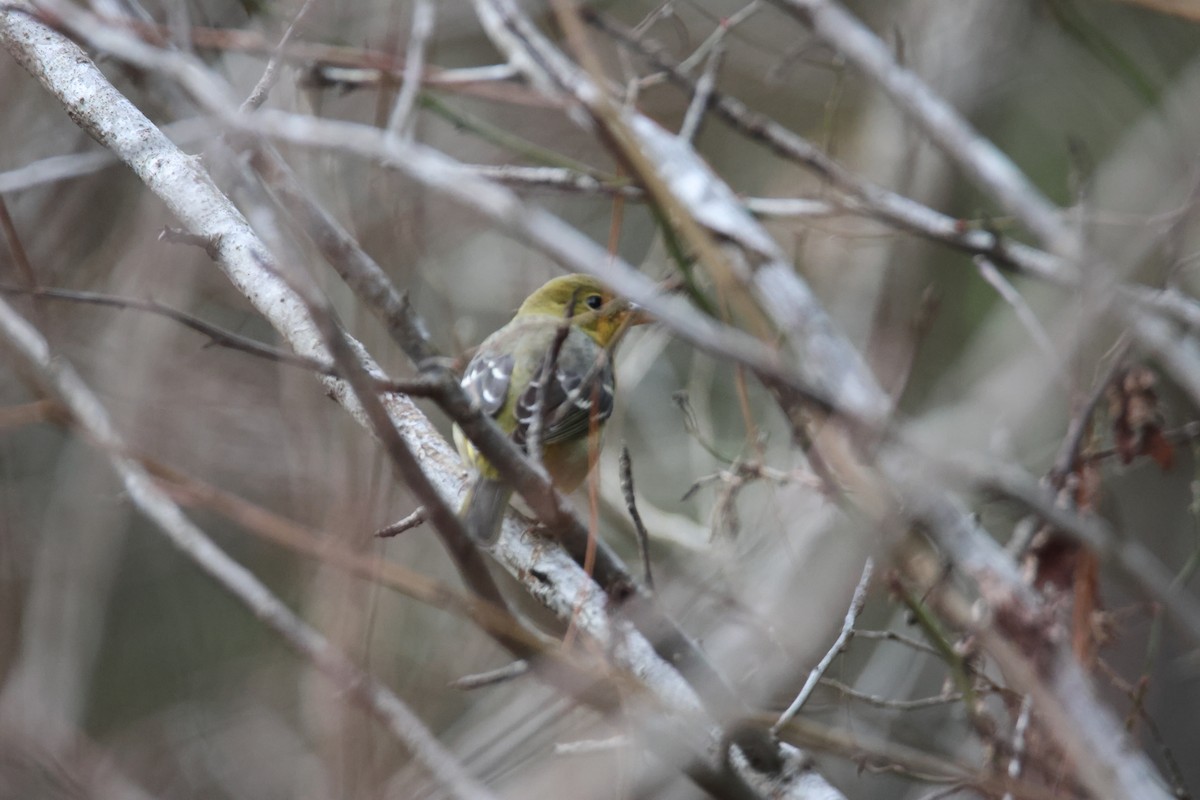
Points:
594	301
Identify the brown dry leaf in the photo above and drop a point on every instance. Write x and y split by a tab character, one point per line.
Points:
1136	417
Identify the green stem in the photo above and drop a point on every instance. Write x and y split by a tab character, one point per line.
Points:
937	637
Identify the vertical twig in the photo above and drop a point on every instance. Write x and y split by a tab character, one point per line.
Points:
400	122
639	527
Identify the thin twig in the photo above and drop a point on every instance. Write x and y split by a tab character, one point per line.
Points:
794	207
856	607
217	335
1024	313
715	39
400	121
588	747
334	65
492	677
503	137
416	518
557	178
1068	453
894	705
420	387
704	87
20	258
900	638
270	75
639	527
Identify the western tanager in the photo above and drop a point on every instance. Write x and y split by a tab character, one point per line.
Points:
556	352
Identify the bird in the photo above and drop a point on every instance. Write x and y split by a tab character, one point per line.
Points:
555	353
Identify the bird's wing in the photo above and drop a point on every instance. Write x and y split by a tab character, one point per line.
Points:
582	377
486	380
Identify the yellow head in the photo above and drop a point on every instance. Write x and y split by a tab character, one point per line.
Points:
589	304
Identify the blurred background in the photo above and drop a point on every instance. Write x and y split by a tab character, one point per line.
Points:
114	643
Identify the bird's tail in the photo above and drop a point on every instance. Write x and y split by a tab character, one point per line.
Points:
483	509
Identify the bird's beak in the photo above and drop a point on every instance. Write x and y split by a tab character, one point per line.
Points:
639	315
